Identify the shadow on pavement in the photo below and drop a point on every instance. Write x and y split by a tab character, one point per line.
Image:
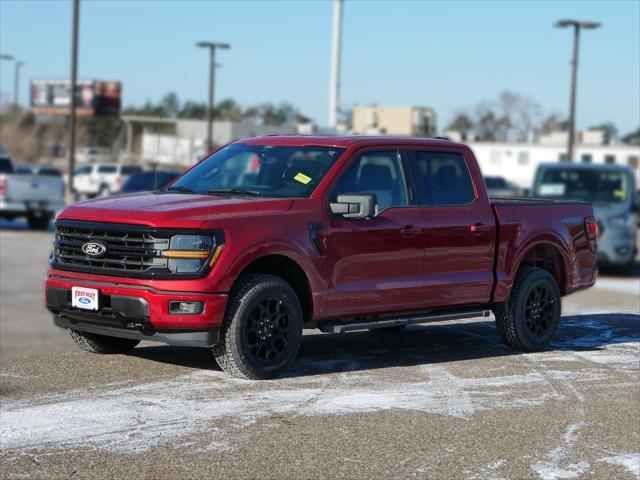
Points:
613	271
418	345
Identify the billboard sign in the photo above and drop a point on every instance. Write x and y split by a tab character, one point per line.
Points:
93	97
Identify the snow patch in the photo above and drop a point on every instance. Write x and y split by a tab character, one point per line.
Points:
630	461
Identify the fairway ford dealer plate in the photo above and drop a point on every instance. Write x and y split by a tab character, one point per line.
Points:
86	298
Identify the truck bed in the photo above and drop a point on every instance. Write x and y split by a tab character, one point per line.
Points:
547	228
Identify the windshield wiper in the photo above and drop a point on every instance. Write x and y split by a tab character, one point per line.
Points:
233	191
179	189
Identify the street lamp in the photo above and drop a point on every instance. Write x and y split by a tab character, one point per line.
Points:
212	67
72	94
577	26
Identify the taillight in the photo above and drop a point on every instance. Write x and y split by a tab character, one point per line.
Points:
591	228
3	186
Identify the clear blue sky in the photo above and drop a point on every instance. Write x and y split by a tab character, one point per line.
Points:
448	55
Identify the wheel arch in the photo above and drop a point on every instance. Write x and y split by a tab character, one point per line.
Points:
290	271
549	256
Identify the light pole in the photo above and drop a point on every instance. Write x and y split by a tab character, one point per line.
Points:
4	56
72	93
16	83
212	69
577	26
336	48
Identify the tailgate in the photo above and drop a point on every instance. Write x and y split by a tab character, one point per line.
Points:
24	188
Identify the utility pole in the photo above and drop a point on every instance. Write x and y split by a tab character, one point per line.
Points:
212	74
72	93
336	48
16	83
577	26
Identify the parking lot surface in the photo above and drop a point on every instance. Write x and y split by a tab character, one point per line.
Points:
445	400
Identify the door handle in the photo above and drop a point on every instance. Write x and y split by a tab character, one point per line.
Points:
478	228
409	231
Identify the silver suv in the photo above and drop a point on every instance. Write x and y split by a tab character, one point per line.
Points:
612	190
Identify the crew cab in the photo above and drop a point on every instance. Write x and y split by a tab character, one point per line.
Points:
271	235
36	193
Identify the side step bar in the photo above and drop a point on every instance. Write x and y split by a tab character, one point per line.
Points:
337	326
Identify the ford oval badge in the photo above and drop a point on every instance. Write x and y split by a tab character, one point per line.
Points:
94	249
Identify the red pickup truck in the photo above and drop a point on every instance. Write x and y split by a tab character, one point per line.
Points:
271	235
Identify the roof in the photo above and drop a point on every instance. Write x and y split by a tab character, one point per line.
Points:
344	141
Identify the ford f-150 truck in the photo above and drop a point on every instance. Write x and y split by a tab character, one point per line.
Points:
271	235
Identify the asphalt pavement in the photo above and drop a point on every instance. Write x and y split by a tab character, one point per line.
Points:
446	400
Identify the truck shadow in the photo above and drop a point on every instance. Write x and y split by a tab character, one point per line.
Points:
322	354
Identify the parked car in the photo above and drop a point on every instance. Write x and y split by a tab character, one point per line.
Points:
499	187
148	181
102	178
612	190
274	234
30	193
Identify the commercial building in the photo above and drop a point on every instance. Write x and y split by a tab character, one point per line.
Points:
410	121
518	162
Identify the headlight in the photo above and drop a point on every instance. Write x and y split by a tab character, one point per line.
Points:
189	253
619	221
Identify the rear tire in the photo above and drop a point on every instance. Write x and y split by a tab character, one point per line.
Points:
39	222
531	315
91	342
262	330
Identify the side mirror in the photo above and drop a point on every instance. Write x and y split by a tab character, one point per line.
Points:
354	206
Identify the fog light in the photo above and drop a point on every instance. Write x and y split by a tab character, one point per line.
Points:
186	308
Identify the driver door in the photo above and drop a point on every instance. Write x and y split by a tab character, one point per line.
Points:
376	264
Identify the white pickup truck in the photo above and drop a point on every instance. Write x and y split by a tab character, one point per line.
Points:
35	196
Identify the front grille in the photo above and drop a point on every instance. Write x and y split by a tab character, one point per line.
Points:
129	250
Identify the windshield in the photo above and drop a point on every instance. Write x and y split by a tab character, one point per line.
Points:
590	185
271	171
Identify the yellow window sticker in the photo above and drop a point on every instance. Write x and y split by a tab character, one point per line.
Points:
302	178
618	193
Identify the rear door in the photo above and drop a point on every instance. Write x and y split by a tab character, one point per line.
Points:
460	227
375	265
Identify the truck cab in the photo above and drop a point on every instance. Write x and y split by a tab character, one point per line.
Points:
270	235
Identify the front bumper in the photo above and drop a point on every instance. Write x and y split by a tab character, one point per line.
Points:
135	311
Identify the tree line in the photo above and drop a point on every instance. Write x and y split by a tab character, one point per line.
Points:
512	117
170	106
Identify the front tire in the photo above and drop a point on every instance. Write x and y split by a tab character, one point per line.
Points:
91	342
262	330
529	318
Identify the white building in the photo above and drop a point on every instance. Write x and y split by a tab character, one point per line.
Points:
517	162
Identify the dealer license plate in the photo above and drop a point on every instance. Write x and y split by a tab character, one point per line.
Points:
86	298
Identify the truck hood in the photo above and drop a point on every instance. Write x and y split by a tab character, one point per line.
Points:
171	209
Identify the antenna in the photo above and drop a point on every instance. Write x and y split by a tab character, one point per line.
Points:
155	173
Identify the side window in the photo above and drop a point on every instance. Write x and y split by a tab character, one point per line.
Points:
107	169
444	177
377	173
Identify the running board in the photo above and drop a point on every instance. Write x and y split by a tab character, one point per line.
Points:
337	326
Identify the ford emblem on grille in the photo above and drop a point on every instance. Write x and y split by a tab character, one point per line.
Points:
94	249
